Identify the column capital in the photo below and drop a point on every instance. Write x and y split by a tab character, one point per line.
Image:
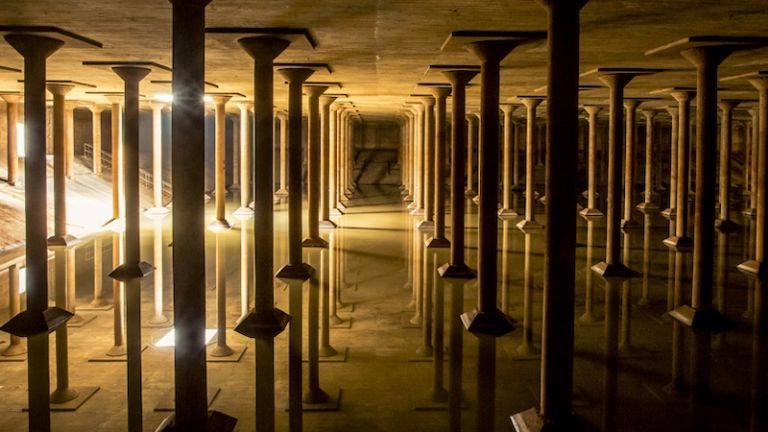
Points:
59	89
245	106
683	95
326	100
631	104
592	110
531	102
508	108
156	105
427	101
649	113
11	98
221	99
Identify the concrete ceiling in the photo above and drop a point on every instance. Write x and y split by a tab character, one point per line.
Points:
379	50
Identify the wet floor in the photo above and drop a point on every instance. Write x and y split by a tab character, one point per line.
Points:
635	370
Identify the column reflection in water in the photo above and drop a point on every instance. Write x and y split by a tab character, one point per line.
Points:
527	347
611	354
588	316
506	266
645	299
418	286
16	347
428	270
158	247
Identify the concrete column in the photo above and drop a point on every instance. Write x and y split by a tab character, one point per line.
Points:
220	163
427	223
157	158
671	212
529	224
327	127
649	205
724	223
507	211
246	189
418	157
282	190
700	314
613	266
35	49
457	270
133	270
313	167
407	159
757	267
630	107
681	240
295	272
60	237
69	128
438	239
265	321
592	212
561	174
96	111
333	161
340	207
116	144
12	119
487	319
754	156
188	161
471	145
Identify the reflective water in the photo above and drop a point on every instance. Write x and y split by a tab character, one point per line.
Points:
398	343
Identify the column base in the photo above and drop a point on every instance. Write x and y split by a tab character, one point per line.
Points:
226	354
335	212
529	226
31	323
752	268
263	325
219	225
408	198
437	243
425	225
492	323
131	271
470	193
669	213
610	271
70	399
156	211
314	242
412	205
701	319
531	421
647	207
476	199
315	396
243	212
341	206
726	226
679	244
507	213
14	350
591	213
300	272
217	421
62	241
517	188
327	224
282	192
750	213
629	224
313	401
456	271
543	200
